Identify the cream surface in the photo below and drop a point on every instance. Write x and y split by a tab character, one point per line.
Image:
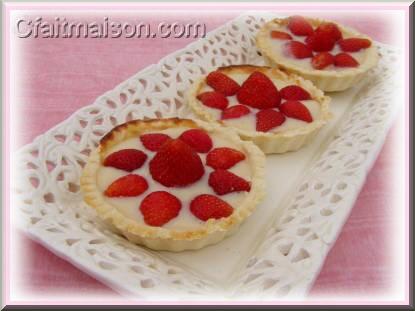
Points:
248	122
185	220
277	49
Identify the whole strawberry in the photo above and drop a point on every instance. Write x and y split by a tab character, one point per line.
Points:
126	159
320	42
206	206
331	30
159	207
176	164
259	92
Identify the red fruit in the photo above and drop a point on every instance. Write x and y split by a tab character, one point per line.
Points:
345	60
222	83
331	29
126	159
354	44
235	112
213	100
295	109
258	91
197	139
224	182
299	26
294	92
297	49
159	207
206	206
176	164
127	186
320	42
322	60
268	119
153	142
224	158
280	35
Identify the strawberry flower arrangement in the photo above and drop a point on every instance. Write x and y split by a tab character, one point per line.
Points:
257	92
175	163
319	44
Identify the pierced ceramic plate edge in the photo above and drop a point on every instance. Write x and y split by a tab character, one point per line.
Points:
108	96
153	68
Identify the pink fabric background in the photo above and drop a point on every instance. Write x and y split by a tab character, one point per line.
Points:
59	76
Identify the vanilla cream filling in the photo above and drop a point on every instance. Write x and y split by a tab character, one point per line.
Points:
277	49
248	122
129	206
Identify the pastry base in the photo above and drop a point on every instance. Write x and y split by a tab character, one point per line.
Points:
269	142
159	238
325	80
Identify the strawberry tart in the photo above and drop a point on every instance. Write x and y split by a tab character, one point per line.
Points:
278	111
332	56
173	184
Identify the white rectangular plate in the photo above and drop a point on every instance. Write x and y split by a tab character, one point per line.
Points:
278	251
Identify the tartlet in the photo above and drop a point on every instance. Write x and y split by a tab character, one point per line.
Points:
247	104
173	184
332	56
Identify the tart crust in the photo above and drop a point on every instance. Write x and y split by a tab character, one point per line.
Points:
269	142
326	80
159	238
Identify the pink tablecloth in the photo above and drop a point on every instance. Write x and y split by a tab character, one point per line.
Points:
58	76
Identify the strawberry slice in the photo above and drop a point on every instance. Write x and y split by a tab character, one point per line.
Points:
275	34
345	60
268	119
297	49
213	100
126	159
176	164
224	158
130	185
223	182
294	92
159	207
154	141
354	44
320	42
299	26
235	112
258	91
198	139
322	60
222	83
331	29
295	109
206	206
